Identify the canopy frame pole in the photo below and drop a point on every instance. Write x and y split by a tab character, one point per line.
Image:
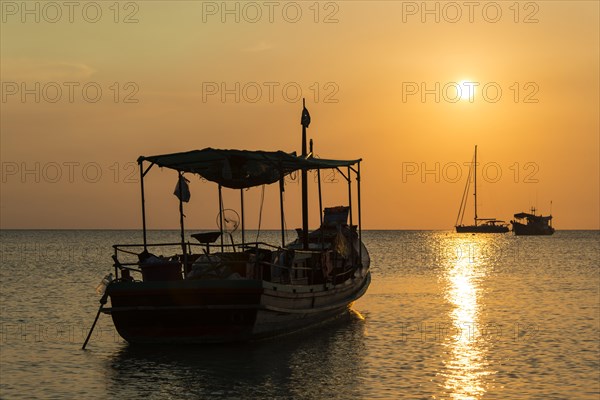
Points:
321	210
221	217
143	204
281	190
142	174
359	216
319	187
347	178
242	216
350	195
320	197
181	216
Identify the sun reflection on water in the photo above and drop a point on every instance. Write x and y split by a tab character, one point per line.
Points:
356	313
466	365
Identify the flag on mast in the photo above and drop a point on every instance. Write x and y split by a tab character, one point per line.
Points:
305	121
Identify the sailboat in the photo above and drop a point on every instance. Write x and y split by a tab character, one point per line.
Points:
480	225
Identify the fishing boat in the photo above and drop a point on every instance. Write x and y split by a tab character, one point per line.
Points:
480	225
208	288
532	224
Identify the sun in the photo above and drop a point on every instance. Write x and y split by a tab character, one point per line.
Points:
467	89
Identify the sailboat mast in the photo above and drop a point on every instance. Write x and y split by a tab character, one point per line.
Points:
475	184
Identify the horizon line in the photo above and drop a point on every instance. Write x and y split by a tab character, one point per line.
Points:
263	230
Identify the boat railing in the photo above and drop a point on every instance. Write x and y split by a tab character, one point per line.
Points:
131	250
264	269
189	245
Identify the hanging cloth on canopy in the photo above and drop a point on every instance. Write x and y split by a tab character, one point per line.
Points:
182	190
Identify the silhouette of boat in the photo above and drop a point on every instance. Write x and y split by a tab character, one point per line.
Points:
532	224
480	225
222	291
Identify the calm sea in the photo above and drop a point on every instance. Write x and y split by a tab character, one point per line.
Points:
447	316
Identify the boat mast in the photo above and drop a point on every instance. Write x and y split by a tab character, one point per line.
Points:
475	183
305	121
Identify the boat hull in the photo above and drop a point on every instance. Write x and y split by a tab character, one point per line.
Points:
481	229
529	230
221	311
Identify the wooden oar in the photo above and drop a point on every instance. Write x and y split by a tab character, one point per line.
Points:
103	301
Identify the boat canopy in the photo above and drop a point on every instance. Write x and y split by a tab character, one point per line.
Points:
532	216
238	169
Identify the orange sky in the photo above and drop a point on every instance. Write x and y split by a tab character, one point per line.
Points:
67	154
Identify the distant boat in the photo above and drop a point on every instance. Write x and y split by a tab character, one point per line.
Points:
536	224
480	225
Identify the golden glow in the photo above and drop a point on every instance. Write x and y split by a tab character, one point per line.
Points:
467	90
466	367
381	87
